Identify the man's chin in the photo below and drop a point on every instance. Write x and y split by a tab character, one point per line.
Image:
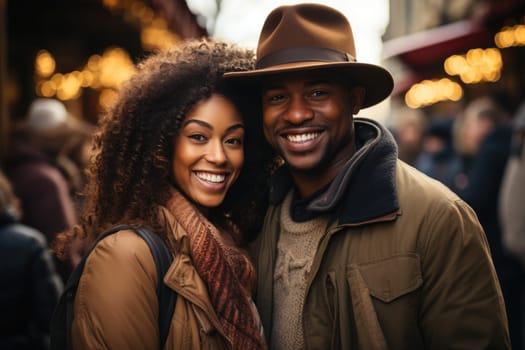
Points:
305	167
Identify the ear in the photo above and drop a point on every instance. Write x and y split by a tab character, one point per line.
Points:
357	96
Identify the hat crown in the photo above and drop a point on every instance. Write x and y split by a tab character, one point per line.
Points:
307	37
46	113
305	26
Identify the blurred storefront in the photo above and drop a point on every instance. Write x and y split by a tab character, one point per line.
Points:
80	51
446	51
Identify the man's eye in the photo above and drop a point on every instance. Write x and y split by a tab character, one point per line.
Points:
318	93
272	99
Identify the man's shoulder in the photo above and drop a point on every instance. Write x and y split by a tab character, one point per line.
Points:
417	188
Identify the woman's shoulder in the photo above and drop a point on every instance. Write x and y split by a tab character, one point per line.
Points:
116	292
124	246
120	264
121	258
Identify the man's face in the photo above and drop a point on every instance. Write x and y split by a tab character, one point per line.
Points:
308	119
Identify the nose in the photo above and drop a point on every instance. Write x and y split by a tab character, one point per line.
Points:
298	111
216	153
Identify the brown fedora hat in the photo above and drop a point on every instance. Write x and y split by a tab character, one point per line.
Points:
311	37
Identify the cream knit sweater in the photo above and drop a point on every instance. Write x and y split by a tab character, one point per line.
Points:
296	250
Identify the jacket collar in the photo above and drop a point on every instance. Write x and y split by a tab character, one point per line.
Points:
7	217
365	189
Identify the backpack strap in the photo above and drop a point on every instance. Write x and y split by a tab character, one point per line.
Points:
70	289
166	296
162	257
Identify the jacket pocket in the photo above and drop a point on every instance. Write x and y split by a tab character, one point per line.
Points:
390	278
374	286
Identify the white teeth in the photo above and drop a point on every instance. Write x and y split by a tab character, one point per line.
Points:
303	137
216	178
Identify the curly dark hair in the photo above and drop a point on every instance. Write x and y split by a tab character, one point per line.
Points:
130	173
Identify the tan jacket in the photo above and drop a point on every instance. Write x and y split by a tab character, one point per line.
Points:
116	306
405	264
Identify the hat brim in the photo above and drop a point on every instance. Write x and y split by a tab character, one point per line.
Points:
377	81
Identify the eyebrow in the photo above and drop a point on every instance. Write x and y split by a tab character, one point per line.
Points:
210	127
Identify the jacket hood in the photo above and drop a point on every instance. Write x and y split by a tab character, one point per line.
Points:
369	176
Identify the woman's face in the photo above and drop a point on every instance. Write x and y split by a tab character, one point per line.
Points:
208	151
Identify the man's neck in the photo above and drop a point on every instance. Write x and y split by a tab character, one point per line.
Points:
310	183
313	180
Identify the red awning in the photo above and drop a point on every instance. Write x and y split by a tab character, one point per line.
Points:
424	52
429	48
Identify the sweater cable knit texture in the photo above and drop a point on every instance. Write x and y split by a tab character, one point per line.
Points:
297	245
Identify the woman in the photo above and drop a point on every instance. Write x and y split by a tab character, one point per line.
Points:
170	156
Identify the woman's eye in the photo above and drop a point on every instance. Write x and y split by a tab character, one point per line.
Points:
235	141
197	137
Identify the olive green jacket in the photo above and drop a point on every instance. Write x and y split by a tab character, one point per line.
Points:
404	265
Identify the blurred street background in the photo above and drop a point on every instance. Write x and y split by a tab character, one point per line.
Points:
458	68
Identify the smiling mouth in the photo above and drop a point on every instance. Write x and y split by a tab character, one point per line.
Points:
210	177
300	138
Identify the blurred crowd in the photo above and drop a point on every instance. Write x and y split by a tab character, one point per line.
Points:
41	179
475	147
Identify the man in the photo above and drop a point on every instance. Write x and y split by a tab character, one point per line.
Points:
358	250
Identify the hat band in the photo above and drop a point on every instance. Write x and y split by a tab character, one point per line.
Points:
303	54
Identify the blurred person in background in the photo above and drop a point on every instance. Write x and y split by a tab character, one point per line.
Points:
485	133
479	118
408	128
44	164
438	158
74	156
29	283
512	201
512	194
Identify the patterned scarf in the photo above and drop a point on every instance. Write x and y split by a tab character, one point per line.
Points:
225	269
